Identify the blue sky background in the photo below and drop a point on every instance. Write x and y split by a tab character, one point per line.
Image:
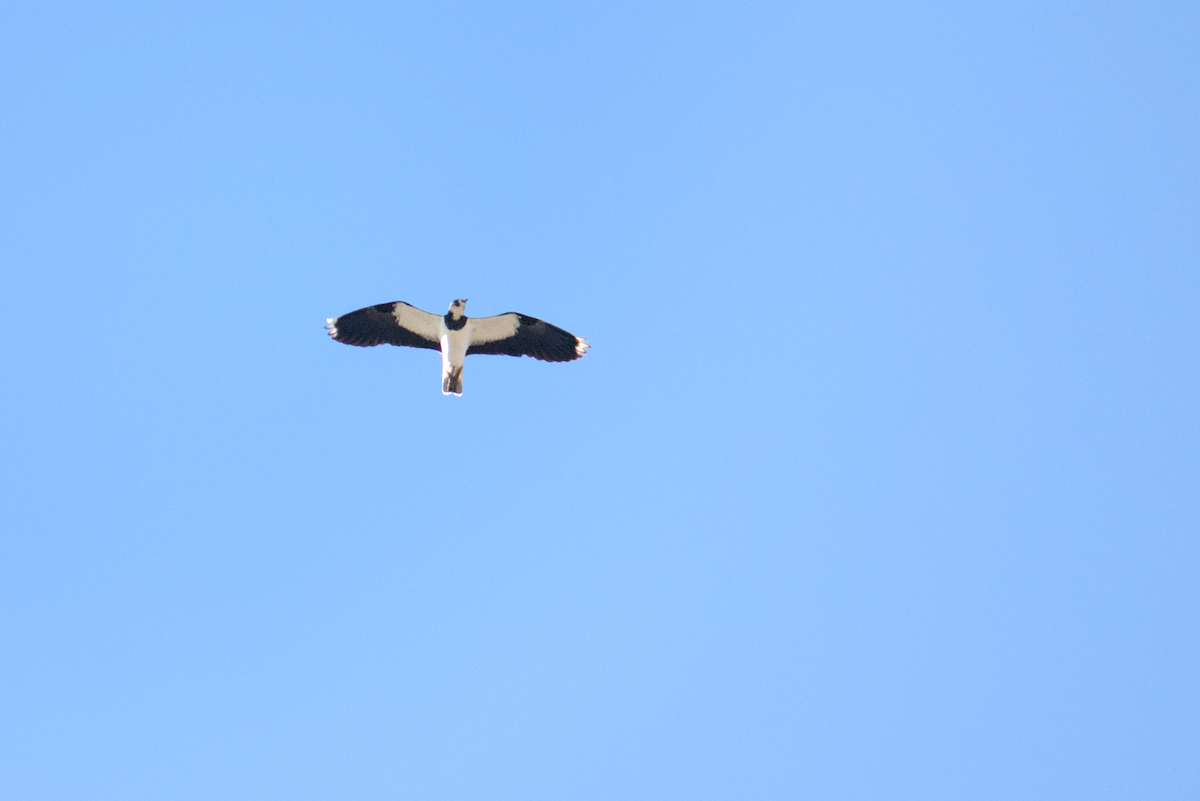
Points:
882	479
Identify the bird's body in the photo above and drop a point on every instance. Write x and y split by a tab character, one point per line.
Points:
456	335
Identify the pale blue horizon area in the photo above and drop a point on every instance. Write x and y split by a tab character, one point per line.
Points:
881	479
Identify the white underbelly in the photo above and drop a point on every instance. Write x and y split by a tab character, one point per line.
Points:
454	348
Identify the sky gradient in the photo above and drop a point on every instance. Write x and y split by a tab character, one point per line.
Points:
881	479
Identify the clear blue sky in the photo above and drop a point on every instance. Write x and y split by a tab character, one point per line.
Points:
881	481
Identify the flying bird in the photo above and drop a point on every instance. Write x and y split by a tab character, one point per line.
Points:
456	335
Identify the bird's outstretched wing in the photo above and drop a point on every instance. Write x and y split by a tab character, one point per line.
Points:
395	323
514	334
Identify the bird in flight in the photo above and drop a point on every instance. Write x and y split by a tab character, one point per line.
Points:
456	335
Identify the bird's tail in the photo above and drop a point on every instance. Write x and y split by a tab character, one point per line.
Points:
452	382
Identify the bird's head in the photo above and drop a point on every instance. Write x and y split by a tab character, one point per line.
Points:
458	308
